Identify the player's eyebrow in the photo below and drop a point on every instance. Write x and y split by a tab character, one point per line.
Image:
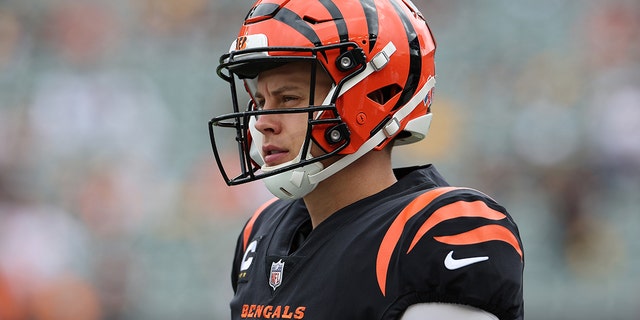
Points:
279	90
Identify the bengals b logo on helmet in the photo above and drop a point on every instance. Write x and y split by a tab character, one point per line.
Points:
241	43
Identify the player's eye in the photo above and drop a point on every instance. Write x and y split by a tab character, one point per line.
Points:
290	101
258	104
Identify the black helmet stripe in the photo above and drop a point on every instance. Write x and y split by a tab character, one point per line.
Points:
293	20
415	58
341	25
371	14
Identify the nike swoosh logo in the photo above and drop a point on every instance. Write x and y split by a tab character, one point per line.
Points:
453	264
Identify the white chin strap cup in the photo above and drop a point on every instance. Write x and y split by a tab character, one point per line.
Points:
293	184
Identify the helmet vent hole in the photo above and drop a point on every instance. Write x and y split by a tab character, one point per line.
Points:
384	94
289	194
312	20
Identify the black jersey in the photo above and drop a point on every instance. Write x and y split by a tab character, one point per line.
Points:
419	240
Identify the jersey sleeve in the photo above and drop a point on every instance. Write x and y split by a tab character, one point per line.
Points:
458	246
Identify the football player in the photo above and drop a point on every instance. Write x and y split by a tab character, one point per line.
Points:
321	92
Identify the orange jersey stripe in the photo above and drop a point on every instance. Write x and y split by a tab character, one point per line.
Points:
483	234
394	232
249	227
456	210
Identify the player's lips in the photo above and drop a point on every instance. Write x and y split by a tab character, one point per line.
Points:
274	155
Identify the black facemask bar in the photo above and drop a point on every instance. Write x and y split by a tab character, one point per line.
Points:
236	66
249	169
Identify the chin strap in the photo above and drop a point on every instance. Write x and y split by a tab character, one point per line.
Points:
388	130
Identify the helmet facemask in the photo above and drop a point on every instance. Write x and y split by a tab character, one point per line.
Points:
241	71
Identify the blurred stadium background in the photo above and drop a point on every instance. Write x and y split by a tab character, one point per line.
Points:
111	206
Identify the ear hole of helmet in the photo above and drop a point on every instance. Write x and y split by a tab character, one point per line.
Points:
336	133
384	94
351	59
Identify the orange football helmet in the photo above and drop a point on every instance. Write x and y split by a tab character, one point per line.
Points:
380	56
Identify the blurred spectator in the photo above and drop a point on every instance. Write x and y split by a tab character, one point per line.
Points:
611	50
82	33
614	123
82	106
41	253
172	17
10	36
610	32
15	58
66	298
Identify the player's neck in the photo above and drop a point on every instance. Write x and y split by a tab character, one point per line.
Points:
367	176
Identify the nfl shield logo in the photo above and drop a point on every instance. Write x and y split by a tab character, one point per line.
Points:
276	274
